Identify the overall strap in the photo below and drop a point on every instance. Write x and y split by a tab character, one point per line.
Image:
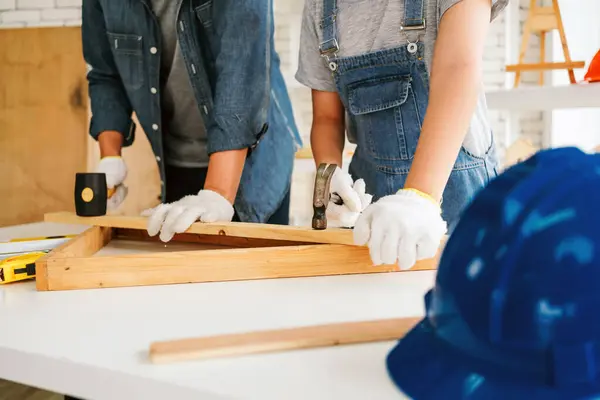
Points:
329	45
414	15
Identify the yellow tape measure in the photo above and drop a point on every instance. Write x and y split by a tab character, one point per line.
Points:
19	268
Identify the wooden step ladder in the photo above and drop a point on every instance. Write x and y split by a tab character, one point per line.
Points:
542	20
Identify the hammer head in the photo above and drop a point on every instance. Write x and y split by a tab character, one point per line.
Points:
321	195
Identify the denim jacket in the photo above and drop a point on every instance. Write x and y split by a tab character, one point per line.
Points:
235	72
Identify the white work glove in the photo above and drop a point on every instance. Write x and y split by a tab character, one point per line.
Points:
116	172
353	196
177	217
401	228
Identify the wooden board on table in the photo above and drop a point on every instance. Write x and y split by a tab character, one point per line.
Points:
43	121
76	265
281	340
69	273
238	229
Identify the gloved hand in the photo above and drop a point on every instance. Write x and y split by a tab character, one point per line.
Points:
353	196
401	228
177	217
116	172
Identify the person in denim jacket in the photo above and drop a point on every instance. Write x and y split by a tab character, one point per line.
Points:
403	79
205	83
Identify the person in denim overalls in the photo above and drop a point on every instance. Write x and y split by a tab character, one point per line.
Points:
379	94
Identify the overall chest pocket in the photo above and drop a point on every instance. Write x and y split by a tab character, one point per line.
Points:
386	117
128	55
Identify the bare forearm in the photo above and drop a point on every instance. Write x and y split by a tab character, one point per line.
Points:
453	96
327	141
225	171
110	143
455	83
327	133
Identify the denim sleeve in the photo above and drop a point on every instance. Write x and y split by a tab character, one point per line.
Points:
111	109
242	51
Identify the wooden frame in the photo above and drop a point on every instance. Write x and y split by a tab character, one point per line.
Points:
542	20
240	251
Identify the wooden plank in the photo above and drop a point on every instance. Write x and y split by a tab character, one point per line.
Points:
280	340
213	266
85	244
545	66
43	112
220	240
238	229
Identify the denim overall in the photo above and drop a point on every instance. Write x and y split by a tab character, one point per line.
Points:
385	94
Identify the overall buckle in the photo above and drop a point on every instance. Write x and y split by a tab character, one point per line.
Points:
327	48
412	46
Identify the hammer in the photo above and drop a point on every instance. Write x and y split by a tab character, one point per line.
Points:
321	195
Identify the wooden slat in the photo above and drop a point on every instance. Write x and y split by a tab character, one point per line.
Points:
85	244
545	66
238	229
280	340
220	240
212	266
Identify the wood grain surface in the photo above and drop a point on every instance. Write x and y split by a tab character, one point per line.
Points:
238	229
85	244
59	273
43	121
280	340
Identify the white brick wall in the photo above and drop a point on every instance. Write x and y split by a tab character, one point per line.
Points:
7	5
39	13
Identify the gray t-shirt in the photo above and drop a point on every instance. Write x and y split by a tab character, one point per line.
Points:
368	26
184	133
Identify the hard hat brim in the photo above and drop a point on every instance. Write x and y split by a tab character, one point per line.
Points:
424	367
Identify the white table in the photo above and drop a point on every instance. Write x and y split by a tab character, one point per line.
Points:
93	343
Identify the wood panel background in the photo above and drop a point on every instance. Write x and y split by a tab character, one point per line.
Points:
43	118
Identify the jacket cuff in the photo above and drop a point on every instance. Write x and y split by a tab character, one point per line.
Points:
109	121
233	135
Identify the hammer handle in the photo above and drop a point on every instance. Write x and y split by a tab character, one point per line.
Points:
321	195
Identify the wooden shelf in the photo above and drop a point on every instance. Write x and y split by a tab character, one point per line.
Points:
545	97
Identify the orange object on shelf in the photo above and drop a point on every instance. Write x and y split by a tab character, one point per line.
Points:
593	73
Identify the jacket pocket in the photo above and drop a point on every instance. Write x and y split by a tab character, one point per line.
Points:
385	117
204	15
128	54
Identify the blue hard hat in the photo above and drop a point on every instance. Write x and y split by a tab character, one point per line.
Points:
515	310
